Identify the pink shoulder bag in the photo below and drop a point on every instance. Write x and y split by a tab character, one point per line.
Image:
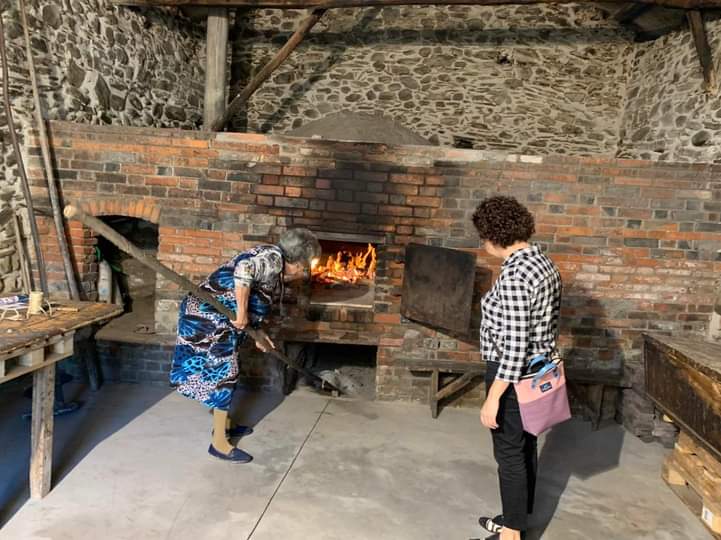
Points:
542	396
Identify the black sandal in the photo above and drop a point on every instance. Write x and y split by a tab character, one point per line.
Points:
492	525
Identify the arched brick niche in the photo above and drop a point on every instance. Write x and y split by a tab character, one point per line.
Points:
83	240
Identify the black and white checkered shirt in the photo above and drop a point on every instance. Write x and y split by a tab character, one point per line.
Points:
521	312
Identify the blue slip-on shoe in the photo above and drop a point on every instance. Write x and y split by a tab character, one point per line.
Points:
235	432
236	455
239	431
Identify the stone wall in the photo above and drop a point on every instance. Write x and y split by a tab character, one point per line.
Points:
636	241
97	64
668	114
535	80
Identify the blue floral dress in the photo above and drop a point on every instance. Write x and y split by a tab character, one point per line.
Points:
205	361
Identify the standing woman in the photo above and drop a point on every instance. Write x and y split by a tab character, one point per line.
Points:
205	362
520	321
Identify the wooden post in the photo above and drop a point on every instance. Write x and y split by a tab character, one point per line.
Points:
24	265
216	47
41	438
433	393
267	70
695	22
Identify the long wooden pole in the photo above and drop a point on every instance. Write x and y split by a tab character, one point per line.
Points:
24	267
700	39
47	161
74	212
21	165
280	57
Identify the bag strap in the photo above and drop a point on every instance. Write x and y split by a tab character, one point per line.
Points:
549	367
546	358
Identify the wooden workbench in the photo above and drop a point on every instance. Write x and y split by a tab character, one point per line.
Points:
34	345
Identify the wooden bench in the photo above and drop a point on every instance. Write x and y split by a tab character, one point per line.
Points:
587	385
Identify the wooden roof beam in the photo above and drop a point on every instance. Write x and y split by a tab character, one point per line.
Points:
267	70
334	4
700	38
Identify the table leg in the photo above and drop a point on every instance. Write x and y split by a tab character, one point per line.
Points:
41	437
89	353
433	393
595	395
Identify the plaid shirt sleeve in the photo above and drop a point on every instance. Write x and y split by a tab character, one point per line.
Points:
516	306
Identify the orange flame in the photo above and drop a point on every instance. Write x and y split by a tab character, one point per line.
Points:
346	266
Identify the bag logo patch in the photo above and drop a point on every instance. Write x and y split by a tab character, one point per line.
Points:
545	387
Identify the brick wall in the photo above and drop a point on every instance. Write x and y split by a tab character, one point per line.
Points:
636	241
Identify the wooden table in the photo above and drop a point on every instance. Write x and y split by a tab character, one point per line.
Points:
34	345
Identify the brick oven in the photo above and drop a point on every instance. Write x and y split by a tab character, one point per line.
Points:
636	241
342	289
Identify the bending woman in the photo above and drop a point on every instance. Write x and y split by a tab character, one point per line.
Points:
520	321
205	362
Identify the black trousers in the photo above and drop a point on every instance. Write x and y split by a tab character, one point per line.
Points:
517	457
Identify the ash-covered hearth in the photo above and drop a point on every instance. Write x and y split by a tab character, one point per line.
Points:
351	368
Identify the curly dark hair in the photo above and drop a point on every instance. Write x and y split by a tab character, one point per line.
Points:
503	221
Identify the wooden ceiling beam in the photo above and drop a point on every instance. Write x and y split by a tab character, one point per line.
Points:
267	70
335	4
631	12
651	35
700	38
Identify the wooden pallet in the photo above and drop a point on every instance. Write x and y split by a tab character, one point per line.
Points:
30	358
695	476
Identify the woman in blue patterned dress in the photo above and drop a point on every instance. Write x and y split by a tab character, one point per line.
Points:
205	362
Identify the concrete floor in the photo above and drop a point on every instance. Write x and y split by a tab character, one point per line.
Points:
132	464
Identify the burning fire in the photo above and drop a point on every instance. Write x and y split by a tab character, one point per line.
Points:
346	266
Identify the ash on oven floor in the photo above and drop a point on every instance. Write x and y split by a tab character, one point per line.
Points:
352	368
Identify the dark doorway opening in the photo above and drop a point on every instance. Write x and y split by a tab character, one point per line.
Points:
133	283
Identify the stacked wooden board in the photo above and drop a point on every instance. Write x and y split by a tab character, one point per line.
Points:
695	476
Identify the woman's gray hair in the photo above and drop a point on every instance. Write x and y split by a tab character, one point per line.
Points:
299	245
